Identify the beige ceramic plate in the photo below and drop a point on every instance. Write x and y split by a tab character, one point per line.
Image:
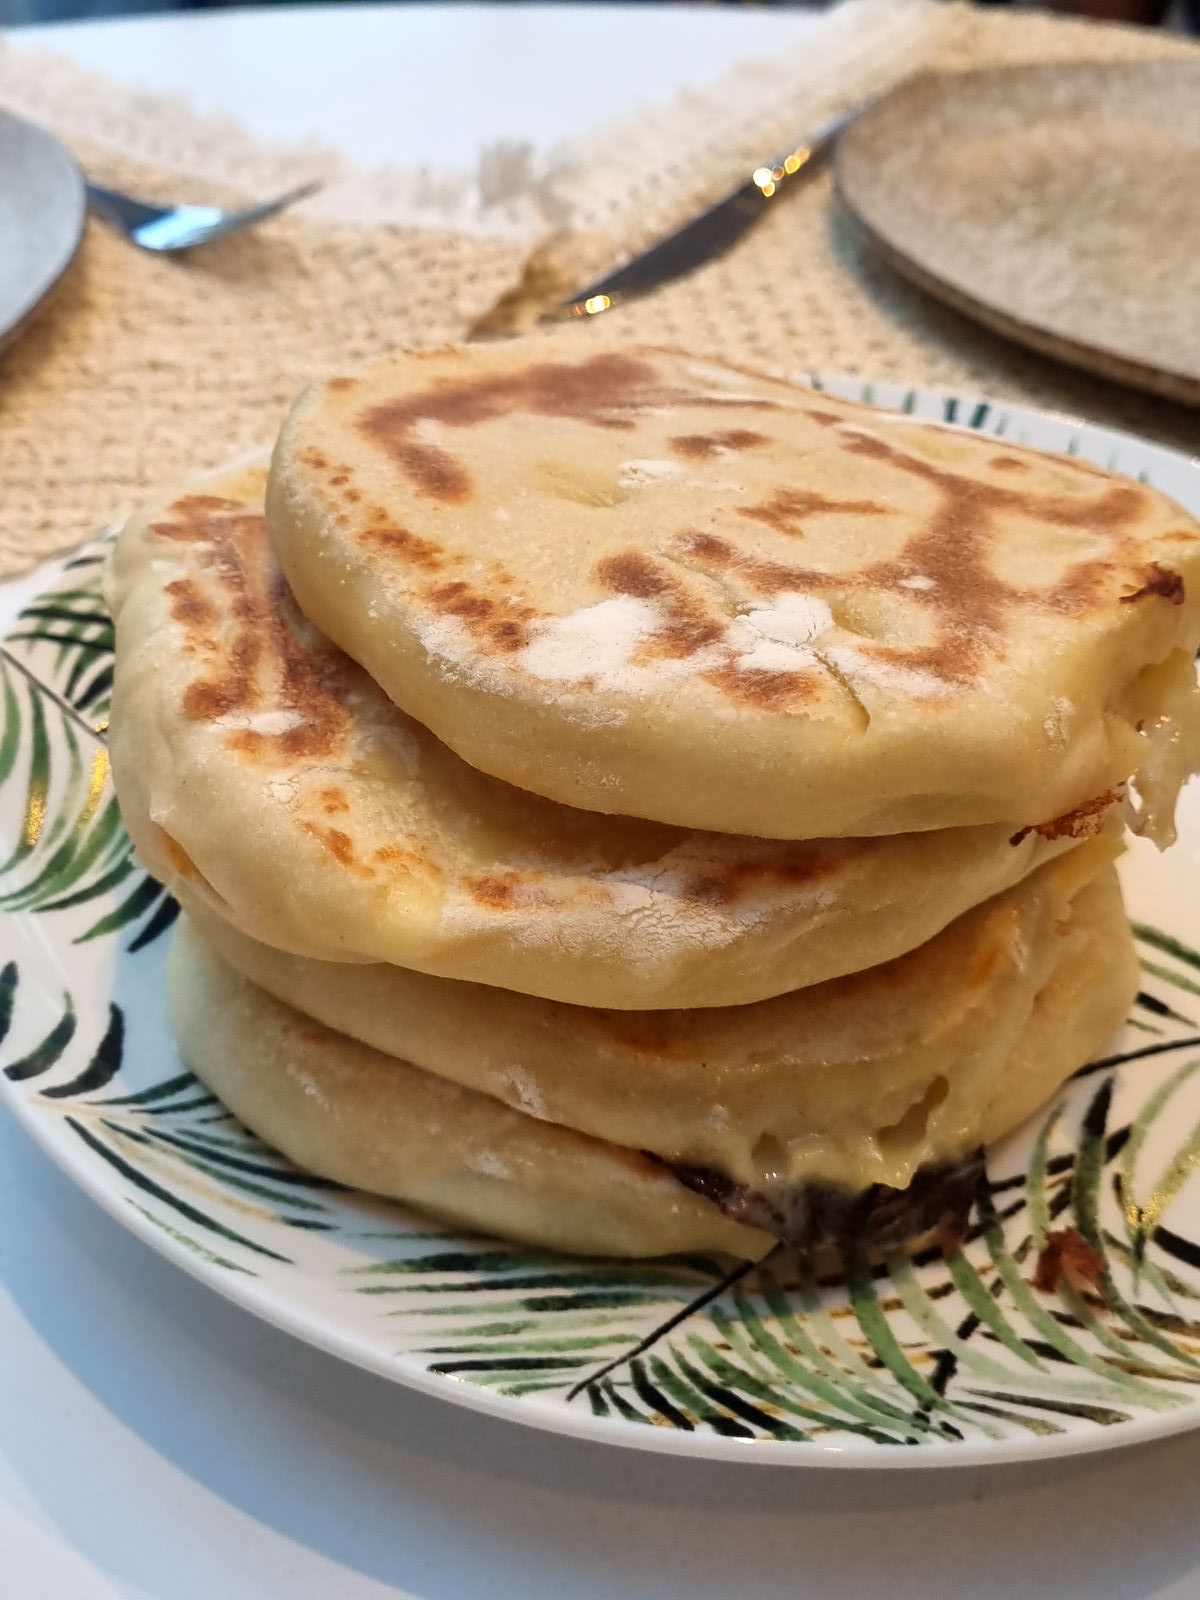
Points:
42	213
1058	205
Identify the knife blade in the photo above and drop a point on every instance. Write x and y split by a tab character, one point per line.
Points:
710	234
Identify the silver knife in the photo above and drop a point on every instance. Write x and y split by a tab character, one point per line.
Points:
712	233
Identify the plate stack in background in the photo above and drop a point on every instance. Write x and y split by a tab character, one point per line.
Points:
632	804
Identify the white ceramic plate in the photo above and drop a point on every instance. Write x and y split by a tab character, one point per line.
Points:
961	1360
42	212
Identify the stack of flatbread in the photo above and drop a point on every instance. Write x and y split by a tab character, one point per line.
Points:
628	803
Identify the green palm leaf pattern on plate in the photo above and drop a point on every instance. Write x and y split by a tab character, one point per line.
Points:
55	678
172	1141
934	1352
772	1352
66	636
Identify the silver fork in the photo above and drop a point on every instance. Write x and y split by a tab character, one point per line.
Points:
166	229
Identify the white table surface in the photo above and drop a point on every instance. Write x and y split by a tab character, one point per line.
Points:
156	1441
424	84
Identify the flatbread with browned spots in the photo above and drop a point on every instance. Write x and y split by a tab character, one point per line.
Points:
641	582
862	1101
345	1111
265	773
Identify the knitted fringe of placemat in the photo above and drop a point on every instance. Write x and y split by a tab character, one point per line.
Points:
143	371
619	182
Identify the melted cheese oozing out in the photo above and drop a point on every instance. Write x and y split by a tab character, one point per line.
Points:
1172	734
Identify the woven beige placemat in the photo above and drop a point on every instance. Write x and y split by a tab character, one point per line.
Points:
144	370
803	292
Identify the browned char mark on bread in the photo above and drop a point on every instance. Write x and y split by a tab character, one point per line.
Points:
817	1216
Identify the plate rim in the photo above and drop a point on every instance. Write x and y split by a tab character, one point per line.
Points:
34	300
260	1302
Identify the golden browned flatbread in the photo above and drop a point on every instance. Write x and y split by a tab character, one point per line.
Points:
365	1119
867	1079
354	1114
264	774
642	582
